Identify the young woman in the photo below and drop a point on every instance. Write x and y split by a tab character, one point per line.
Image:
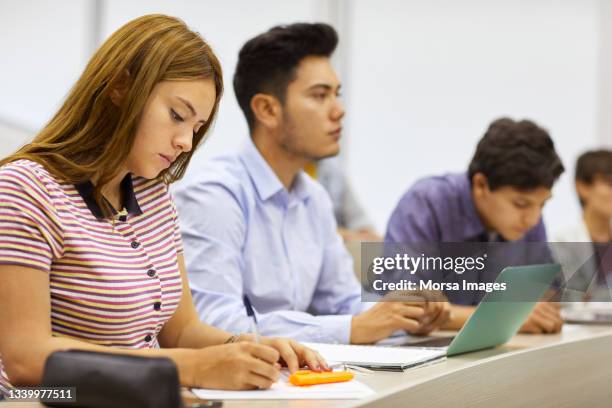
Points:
90	252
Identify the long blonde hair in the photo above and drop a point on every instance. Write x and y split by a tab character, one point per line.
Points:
92	136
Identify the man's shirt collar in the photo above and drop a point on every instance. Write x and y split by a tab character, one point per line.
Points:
265	180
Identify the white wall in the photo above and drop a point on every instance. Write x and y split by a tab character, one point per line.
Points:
605	73
11	138
422	78
428	76
43	49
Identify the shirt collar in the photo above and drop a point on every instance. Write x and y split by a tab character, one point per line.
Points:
300	187
265	180
130	203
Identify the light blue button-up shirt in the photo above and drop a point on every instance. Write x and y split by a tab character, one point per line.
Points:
244	233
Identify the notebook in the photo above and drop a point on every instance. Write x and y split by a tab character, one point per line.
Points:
376	357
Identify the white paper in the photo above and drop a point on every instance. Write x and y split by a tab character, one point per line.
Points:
283	389
588	312
375	355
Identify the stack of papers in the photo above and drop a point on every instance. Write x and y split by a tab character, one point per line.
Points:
377	357
590	312
283	389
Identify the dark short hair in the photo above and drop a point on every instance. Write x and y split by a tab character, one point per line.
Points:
518	154
267	63
593	163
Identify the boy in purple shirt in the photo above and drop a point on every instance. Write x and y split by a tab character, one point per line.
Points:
499	199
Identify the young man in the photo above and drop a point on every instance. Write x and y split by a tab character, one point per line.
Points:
500	199
255	224
588	264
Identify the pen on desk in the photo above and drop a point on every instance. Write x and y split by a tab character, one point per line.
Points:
347	367
251	314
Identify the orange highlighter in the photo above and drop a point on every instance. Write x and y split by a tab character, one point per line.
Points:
308	377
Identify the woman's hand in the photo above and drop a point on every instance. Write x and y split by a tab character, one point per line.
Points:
295	355
246	365
237	366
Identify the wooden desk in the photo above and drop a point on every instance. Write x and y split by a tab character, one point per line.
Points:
571	369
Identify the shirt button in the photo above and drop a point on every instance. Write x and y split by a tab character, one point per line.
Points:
135	244
151	273
157	306
148	338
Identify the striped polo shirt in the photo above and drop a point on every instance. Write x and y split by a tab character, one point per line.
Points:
111	282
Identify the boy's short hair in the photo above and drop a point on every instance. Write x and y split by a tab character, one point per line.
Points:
591	164
518	154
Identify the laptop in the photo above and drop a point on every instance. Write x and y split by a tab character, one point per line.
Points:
500	314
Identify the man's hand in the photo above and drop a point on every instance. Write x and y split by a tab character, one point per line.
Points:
437	311
414	312
545	318
437	314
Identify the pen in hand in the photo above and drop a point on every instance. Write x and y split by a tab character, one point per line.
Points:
251	314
